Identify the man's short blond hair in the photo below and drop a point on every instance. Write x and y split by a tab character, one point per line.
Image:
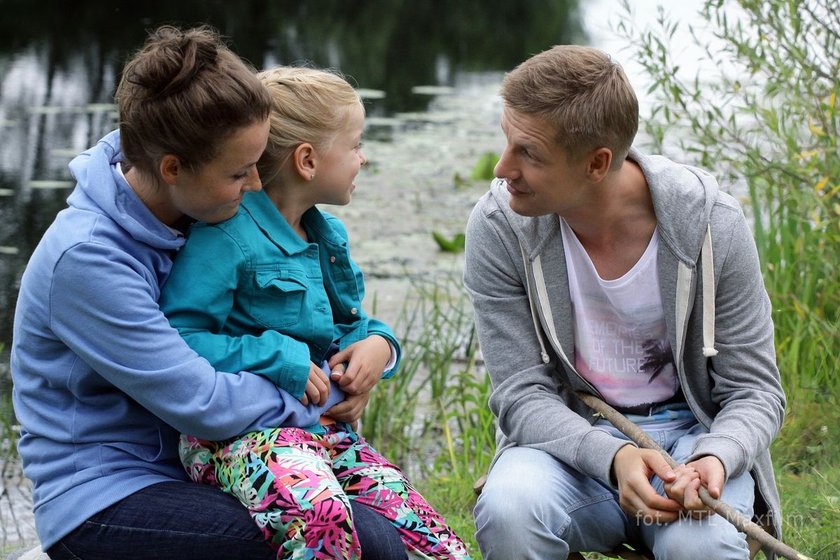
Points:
582	93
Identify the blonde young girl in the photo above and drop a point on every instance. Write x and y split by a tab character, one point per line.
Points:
274	291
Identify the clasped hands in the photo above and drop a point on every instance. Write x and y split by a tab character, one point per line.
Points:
356	369
633	467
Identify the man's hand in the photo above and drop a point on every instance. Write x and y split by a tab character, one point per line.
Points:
712	474
365	360
706	471
633	468
684	489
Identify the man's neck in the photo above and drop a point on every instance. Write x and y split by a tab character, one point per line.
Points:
616	227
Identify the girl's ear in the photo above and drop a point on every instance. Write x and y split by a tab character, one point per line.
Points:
170	168
304	159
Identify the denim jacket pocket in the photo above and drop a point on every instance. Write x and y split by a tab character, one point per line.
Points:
279	298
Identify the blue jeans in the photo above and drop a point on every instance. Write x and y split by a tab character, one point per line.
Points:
535	507
184	521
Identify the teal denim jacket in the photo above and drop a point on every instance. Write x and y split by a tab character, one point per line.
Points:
248	294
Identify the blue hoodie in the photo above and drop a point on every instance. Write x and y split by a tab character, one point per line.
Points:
102	383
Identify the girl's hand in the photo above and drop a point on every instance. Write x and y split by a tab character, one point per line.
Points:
317	386
365	361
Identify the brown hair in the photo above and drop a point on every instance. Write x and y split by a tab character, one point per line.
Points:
308	105
582	93
184	93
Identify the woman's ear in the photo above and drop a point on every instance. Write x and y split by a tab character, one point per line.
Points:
305	159
170	168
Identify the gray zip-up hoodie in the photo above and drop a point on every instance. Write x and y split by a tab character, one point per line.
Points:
719	326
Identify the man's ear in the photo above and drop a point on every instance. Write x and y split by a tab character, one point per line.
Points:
170	168
598	164
305	159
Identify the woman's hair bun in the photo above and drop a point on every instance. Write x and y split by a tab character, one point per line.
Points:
175	58
183	93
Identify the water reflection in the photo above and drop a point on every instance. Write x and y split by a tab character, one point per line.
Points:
59	73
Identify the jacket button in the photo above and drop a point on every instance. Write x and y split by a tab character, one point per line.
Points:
332	258
354	311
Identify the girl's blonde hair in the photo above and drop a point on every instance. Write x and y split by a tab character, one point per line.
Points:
308	105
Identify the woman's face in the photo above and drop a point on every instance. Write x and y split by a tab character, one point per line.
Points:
213	192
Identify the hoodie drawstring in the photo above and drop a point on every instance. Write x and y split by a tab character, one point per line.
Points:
534	318
708	280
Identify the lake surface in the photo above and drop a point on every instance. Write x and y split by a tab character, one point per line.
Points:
430	72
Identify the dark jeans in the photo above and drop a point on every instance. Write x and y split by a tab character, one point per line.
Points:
184	521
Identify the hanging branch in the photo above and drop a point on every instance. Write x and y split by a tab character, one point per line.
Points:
767	541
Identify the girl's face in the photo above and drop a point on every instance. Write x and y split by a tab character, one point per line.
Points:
341	162
214	192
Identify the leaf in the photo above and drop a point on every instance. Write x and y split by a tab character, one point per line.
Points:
484	168
454	245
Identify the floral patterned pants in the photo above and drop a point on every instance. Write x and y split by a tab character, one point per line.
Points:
297	485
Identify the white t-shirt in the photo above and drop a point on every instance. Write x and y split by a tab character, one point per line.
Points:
621	342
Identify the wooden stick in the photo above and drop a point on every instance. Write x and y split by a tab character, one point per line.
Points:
637	435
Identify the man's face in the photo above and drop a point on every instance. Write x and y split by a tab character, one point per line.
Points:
540	177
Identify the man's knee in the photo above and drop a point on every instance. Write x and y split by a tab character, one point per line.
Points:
701	540
511	509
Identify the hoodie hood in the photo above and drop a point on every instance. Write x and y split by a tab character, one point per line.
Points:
101	188
683	197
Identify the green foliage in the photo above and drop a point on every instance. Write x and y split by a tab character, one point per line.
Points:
433	415
454	245
811	511
451	495
806	455
484	168
8	430
432	418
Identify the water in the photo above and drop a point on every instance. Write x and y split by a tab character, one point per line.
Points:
430	71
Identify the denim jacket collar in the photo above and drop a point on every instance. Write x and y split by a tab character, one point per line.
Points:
269	219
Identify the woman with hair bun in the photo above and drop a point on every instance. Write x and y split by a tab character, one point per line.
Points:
102	384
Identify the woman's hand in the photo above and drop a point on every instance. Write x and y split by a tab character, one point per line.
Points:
350	409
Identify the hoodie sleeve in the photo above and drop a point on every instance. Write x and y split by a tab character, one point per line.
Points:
527	399
746	385
103	306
